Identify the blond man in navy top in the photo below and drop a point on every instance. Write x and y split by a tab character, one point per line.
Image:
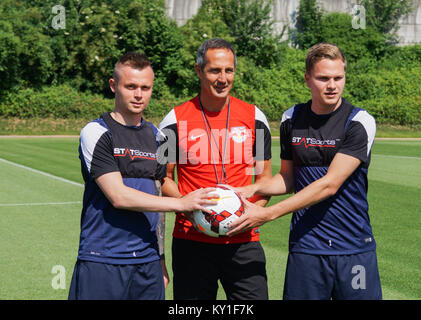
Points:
325	154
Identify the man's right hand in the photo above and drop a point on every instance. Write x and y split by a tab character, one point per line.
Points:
196	200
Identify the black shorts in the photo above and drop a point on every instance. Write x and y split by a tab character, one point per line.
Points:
197	267
101	281
339	277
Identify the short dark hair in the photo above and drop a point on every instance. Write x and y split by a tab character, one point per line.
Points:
135	60
215	43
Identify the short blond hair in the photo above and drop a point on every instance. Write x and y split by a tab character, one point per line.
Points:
321	51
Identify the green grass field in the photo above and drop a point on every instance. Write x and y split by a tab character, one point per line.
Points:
40	203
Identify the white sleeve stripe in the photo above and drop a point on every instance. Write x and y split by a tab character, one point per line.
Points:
169	119
369	124
89	137
160	136
260	116
288	114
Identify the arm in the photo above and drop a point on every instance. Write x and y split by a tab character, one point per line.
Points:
262	154
340	169
281	183
160	235
169	186
264	174
123	197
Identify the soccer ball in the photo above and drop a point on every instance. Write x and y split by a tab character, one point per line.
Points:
227	208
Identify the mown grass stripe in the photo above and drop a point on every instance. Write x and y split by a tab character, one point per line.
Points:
396	157
41	172
38	204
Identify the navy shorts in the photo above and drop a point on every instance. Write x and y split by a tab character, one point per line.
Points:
197	267
101	281
338	277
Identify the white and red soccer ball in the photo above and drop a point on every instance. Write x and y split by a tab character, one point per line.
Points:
227	208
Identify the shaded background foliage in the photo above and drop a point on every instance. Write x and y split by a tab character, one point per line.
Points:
64	73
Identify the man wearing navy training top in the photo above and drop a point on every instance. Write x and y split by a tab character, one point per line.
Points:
325	153
119	255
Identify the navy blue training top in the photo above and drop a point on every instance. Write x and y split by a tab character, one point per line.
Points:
111	235
340	224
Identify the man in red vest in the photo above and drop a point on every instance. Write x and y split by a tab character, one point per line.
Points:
213	139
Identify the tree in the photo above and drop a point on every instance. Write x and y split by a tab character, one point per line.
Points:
96	33
384	15
251	25
26	57
308	24
248	24
360	43
107	29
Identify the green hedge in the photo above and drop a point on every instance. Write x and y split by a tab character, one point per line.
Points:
59	102
391	96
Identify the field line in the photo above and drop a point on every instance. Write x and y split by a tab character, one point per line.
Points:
396	157
38	204
40	172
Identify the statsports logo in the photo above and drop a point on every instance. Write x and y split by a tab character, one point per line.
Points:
313	142
133	153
